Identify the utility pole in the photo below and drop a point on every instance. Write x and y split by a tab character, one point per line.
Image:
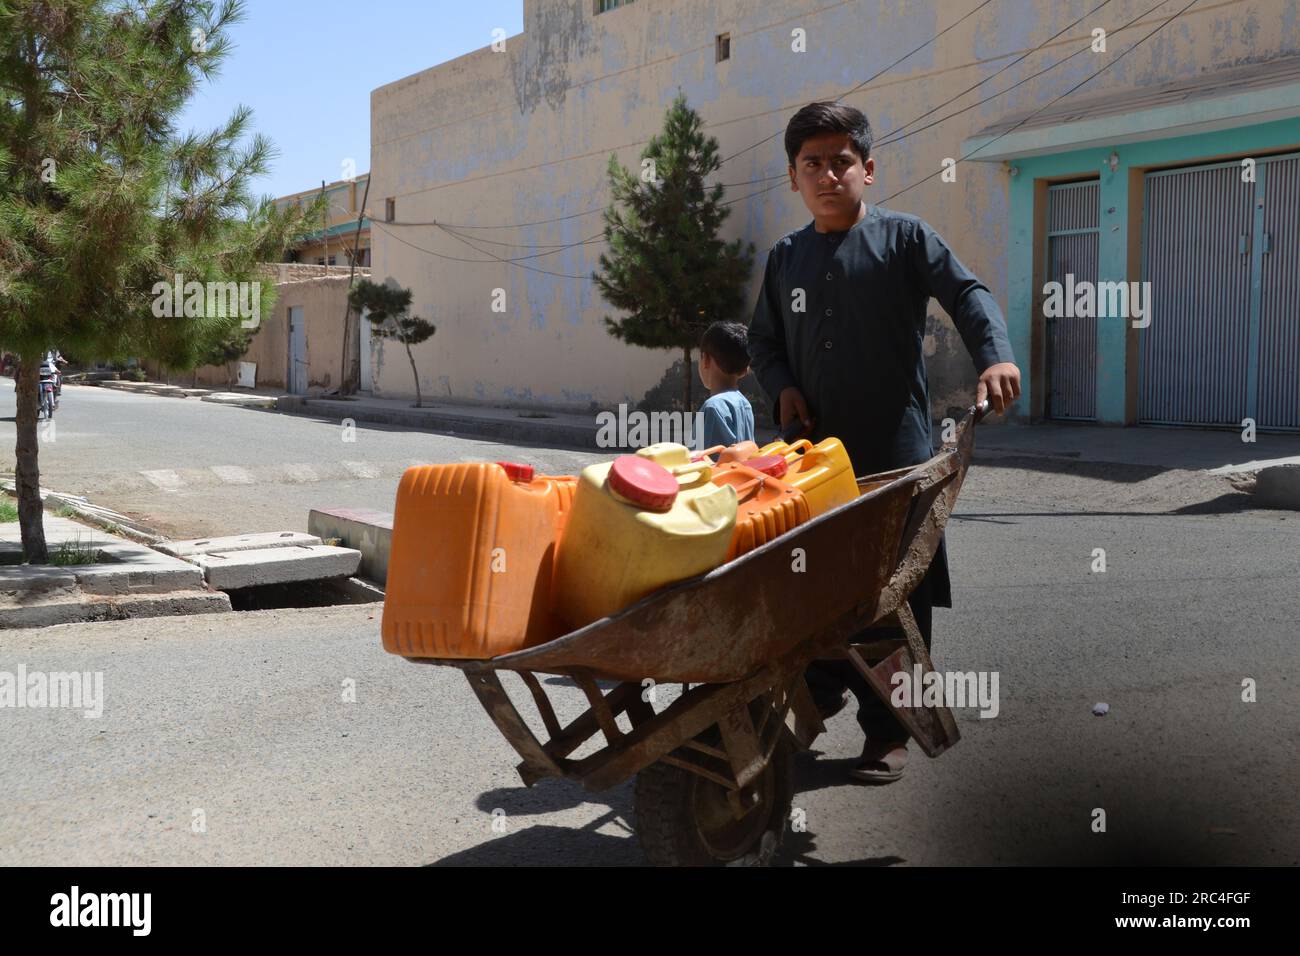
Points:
344	378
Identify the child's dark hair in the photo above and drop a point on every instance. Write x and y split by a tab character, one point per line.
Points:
727	343
818	119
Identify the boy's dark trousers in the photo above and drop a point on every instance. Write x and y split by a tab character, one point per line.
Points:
828	679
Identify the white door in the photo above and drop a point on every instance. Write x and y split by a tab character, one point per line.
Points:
297	351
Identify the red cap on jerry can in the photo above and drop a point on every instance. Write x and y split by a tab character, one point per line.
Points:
774	465
645	483
517	472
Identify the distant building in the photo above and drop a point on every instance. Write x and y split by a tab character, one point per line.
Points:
299	346
1176	164
333	243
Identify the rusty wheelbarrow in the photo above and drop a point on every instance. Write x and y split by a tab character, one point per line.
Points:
714	766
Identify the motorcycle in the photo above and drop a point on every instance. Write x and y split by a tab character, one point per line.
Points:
49	393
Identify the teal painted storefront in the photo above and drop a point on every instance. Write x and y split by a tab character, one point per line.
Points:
1119	240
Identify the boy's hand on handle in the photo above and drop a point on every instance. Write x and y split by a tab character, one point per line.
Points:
794	408
1000	384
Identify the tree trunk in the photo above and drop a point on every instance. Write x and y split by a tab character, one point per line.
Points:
686	384
418	400
27	473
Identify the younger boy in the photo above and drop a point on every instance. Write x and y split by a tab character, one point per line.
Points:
836	343
724	361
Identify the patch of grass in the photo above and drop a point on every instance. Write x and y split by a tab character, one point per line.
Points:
8	511
116	529
74	552
65	511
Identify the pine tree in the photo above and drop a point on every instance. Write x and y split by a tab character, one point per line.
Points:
389	308
101	200
666	266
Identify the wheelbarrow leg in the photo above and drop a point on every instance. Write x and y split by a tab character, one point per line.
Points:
934	728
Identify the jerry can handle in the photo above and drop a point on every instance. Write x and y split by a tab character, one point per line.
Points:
704	469
798	448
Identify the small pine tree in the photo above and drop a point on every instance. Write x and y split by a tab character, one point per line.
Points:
389	309
667	267
227	349
102	201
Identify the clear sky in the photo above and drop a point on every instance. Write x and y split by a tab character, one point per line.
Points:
307	69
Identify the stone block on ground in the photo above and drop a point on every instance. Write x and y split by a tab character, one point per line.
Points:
237	542
231	570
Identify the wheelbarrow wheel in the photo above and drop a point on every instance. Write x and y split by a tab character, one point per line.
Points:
683	819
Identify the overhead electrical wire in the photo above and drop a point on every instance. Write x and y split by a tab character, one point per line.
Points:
452	229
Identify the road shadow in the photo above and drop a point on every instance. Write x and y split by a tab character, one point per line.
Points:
1230	503
545	845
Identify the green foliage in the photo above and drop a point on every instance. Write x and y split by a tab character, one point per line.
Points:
389	307
102	198
8	511
74	552
667	268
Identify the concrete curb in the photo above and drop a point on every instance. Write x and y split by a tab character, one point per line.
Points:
107	520
80	609
244	401
370	532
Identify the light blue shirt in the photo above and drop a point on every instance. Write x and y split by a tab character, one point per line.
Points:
728	418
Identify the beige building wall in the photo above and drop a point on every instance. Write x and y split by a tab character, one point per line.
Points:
322	295
495	138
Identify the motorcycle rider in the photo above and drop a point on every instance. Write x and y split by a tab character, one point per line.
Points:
51	367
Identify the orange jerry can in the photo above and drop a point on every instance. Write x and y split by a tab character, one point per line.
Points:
741	451
472	560
768	505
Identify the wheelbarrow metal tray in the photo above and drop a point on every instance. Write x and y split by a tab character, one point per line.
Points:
859	561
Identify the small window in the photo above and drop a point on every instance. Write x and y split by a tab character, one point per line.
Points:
390	210
724	46
603	6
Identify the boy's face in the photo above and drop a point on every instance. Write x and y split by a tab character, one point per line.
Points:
830	177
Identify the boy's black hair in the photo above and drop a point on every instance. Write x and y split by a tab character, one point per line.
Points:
727	343
818	119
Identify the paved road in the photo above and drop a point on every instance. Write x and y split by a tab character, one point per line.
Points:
190	468
242	716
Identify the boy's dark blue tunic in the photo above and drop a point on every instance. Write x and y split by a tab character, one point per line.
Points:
841	316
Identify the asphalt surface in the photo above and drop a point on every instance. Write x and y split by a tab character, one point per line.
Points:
189	468
243	717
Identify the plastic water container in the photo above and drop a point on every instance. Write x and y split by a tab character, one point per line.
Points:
822	472
636	526
471	566
741	451
767	505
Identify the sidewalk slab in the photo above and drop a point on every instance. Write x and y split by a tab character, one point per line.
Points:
1194	449
234	398
128	568
370	532
238	542
243	569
